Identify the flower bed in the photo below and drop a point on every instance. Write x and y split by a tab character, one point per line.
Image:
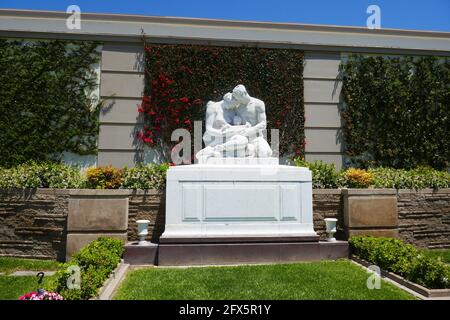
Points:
41	295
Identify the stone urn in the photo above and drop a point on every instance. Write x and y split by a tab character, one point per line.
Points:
330	224
142	230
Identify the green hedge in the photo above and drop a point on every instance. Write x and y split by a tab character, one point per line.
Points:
403	259
151	176
96	262
326	176
46	105
396	111
41	175
56	175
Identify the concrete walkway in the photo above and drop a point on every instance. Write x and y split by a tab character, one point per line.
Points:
28	273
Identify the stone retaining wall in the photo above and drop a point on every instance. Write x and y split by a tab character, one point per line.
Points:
146	205
327	203
34	223
424	217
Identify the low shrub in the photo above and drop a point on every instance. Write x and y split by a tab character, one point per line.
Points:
418	178
41	175
324	175
151	176
403	259
96	262
104	177
356	178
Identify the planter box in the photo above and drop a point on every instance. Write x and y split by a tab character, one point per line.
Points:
93	214
371	212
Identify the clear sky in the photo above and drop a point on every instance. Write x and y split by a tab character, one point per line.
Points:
399	14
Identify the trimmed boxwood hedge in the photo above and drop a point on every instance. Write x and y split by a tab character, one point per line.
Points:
325	176
403	259
96	262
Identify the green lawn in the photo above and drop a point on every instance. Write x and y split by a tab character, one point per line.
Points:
319	280
9	265
11	287
444	254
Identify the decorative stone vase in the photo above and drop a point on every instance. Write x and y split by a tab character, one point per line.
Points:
142	230
331	228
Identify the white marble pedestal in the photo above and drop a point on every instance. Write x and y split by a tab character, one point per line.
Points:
245	212
220	201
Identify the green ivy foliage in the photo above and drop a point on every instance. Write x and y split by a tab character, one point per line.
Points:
196	74
397	111
45	101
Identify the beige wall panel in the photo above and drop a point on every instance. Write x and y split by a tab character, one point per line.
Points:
121	137
322	115
121	85
118	159
323	140
321	65
121	111
322	91
122	58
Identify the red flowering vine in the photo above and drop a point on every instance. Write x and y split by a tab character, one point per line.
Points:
180	79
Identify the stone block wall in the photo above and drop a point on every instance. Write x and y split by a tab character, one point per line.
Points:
33	223
327	203
146	205
424	217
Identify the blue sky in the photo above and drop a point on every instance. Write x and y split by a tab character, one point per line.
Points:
399	14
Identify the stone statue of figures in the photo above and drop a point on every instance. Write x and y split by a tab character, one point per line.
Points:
234	127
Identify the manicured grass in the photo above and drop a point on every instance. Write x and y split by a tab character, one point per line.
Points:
9	265
12	288
319	280
444	254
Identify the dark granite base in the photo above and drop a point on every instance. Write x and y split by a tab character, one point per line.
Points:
184	254
140	254
240	240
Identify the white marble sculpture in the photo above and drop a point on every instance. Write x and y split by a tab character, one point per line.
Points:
235	127
237	190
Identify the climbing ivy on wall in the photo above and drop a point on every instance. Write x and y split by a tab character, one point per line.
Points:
46	105
397	111
181	79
